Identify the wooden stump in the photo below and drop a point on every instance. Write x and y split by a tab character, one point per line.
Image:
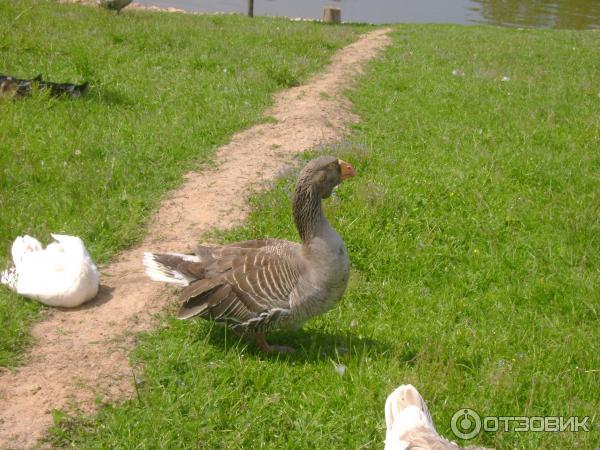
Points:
332	15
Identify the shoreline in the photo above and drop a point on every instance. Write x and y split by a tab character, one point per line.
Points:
141	7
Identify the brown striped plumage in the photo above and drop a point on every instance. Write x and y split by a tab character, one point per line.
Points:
256	286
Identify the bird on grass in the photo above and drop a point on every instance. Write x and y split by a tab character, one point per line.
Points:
62	89
409	424
8	89
62	274
261	285
115	5
11	87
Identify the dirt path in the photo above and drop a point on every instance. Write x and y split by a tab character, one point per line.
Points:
83	354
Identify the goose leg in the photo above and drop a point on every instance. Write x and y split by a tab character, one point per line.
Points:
237	332
261	341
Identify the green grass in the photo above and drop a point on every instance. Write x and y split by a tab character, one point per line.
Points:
472	227
473	232
166	89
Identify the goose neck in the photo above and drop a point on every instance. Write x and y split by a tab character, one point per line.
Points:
308	214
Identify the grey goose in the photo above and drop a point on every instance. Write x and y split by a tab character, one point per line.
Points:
261	285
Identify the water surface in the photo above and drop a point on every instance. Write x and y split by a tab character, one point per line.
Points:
574	14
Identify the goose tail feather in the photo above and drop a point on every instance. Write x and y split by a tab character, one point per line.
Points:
159	267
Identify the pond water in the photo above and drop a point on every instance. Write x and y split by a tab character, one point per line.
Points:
574	14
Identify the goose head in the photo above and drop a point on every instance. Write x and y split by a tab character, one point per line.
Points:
316	181
322	175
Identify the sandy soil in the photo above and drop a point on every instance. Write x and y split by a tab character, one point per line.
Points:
82	354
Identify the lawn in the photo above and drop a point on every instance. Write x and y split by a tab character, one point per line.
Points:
165	91
473	231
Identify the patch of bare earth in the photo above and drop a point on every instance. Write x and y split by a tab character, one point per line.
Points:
82	354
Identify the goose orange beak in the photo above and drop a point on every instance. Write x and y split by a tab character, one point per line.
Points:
347	170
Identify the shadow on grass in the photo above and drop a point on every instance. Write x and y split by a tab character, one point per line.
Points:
109	96
310	345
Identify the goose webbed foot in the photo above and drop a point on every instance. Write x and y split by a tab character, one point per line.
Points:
262	343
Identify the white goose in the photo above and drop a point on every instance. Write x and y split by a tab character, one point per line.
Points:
62	274
409	424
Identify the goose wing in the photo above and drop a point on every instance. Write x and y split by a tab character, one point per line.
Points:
247	284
